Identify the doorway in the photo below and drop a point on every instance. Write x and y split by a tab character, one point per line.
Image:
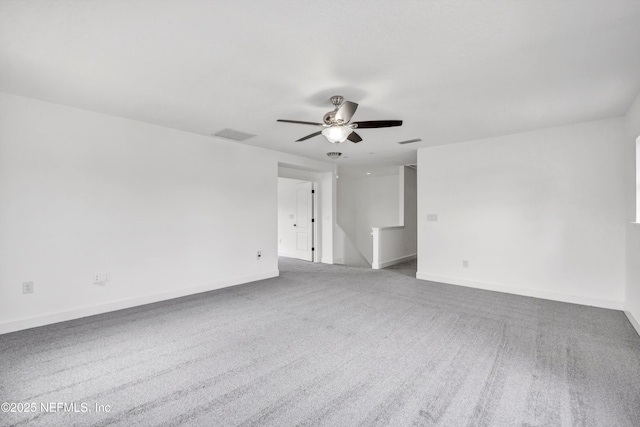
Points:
296	219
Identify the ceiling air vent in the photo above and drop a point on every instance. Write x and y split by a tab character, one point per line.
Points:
234	135
409	141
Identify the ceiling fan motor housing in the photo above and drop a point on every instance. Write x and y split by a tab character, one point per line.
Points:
330	117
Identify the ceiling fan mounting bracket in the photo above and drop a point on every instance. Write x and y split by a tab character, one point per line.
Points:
336	100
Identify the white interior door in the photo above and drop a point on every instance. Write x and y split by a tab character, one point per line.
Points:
303	221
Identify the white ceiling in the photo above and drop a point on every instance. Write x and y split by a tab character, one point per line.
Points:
452	70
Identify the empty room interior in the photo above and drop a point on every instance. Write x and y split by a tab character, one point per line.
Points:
337	213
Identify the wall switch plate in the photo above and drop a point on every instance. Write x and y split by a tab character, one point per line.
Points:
27	287
432	217
465	263
107	277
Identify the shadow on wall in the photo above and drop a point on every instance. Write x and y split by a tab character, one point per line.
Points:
388	202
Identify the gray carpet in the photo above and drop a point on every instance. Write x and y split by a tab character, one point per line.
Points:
408	268
331	346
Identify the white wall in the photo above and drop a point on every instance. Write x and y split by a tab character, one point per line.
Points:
287	210
396	244
166	212
410	211
364	202
538	213
346	213
632	177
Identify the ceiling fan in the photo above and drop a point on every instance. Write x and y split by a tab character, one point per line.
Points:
337	125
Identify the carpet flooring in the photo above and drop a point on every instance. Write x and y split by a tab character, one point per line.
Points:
329	346
408	268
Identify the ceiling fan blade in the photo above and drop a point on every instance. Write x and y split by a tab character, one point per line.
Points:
346	110
309	136
354	137
299	122
378	124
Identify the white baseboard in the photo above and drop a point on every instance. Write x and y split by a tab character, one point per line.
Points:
49	318
554	296
634	322
293	255
287	254
377	266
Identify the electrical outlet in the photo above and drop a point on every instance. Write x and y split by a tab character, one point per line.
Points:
107	277
465	263
98	279
27	287
259	255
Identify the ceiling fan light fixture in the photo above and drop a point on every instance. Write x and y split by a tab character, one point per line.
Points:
337	134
